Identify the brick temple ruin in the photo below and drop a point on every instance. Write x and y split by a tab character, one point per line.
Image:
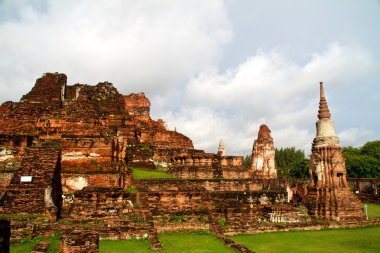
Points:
329	195
66	154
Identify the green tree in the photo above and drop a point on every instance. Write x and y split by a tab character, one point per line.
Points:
300	169
291	163
363	162
372	149
247	161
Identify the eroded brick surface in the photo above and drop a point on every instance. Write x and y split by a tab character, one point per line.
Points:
79	241
78	143
263	163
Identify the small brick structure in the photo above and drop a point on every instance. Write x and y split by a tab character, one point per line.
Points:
263	153
79	241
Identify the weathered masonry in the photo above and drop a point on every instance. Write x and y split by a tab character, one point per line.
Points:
67	153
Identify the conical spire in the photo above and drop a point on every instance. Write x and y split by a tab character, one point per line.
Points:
221	145
221	151
323	112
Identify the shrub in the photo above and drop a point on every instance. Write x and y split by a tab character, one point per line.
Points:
222	222
131	189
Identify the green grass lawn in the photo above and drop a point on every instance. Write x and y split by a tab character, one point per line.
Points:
140	173
27	245
337	240
107	246
170	242
373	211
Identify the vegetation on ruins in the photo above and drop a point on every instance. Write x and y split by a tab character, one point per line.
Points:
363	162
27	244
131	189
22	215
10	167
82	223
54	242
177	218
337	240
222	222
142	173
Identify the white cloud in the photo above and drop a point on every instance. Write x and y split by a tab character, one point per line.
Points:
355	137
138	45
267	88
293	137
171	50
339	64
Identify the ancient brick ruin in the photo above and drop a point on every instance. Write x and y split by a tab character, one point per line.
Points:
263	164
67	154
329	195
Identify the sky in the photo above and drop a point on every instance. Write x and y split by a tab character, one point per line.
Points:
212	69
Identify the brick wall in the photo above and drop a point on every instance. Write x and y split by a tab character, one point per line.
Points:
28	197
97	202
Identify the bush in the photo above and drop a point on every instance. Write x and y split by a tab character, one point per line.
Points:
222	222
131	189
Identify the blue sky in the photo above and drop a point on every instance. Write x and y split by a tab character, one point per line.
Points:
212	69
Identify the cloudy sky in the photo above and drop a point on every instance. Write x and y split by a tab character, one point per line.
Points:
213	69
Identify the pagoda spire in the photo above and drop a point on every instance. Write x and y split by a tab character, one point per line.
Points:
221	151
323	112
329	195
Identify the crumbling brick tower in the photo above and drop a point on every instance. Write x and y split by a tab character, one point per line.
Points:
263	153
329	196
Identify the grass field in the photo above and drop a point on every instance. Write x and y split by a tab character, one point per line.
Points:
170	242
25	246
133	245
338	240
140	173
373	211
